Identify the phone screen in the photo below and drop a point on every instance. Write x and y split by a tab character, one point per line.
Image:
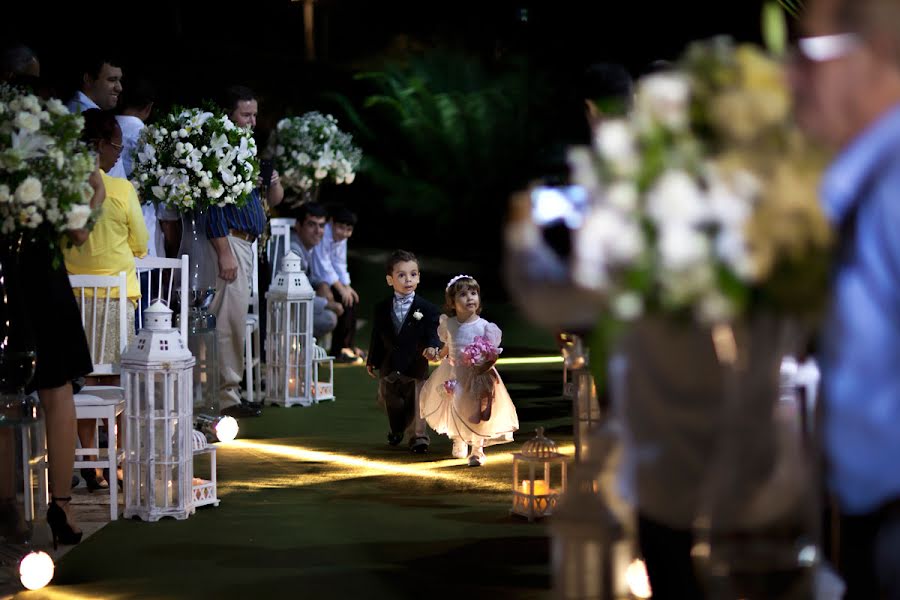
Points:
565	205
265	171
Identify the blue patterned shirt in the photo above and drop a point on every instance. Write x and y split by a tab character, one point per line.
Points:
250	218
861	341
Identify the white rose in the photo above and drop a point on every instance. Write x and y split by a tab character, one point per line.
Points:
216	190
350	177
623	196
665	96
29	191
56	107
628	306
4	194
321	174
303	159
78	216
182	133
9	225
53	215
581	166
615	142
676	199
731	248
159	192
681	248
714	307
27	122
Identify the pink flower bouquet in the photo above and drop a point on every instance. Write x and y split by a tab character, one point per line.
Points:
481	355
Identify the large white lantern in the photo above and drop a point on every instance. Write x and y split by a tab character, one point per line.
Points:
579	386
157	373
290	347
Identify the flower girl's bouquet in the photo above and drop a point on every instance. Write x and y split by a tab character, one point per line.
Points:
194	158
705	202
44	167
311	149
481	356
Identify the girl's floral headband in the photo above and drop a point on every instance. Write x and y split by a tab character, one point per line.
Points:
457	278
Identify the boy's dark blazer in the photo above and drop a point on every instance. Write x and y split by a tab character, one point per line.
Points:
391	352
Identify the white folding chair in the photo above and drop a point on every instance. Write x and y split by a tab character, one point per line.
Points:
279	243
94	292
161	274
252	368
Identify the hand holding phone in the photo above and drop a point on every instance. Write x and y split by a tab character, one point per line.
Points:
266	167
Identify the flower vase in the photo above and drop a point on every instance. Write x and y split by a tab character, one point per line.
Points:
201	256
22	445
756	531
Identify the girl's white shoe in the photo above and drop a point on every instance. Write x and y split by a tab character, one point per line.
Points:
460	448
477	458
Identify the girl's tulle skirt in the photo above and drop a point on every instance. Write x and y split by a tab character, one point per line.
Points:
451	411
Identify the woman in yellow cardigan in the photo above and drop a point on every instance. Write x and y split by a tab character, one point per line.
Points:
119	236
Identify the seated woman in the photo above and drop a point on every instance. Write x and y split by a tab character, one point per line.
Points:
119	236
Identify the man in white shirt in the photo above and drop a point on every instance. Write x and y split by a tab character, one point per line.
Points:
330	266
101	84
305	239
137	104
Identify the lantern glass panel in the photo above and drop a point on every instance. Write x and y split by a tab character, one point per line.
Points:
23	460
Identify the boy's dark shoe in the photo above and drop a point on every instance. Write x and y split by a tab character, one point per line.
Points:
394	439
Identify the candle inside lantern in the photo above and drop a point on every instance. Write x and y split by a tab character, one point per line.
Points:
541	503
541	487
293	387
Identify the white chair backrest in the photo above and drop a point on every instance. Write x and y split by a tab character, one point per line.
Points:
279	243
94	293
161	273
254	281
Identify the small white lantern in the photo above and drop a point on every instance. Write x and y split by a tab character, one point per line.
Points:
323	374
535	495
204	489
290	349
157	373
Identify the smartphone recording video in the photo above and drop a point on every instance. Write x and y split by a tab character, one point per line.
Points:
558	211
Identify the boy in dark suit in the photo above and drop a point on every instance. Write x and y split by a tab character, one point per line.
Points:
404	338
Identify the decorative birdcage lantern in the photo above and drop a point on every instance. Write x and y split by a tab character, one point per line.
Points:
289	343
204	489
323	374
157	376
203	346
536	493
579	386
587	544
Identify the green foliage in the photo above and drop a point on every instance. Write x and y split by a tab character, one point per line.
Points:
445	133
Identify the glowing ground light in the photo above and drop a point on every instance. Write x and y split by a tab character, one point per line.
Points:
638	582
227	429
36	570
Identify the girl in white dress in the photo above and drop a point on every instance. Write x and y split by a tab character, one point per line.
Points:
447	401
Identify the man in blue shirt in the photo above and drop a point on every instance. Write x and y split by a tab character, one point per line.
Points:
232	231
846	80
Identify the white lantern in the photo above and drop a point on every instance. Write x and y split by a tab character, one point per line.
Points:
579	386
157	373
586	545
204	489
290	347
539	477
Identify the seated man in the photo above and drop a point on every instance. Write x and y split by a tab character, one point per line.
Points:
308	232
330	266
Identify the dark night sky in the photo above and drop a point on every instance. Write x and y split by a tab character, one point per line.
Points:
195	45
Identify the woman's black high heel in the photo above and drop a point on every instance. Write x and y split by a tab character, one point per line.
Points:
59	524
94	482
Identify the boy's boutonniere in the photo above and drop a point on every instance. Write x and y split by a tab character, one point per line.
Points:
417	315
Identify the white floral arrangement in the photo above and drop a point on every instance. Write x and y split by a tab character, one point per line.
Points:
705	196
195	158
310	149
44	167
